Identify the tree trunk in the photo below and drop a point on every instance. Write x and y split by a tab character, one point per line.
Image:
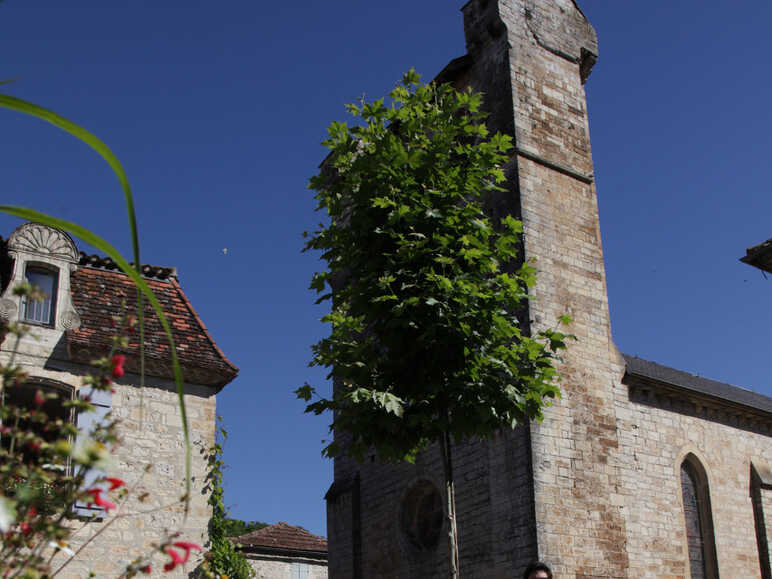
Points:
450	505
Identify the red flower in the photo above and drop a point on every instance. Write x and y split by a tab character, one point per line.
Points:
118	361
25	528
188	547
114	483
34	445
147	569
176	559
39	398
99	500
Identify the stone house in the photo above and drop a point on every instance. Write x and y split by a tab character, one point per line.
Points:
74	326
284	551
639	470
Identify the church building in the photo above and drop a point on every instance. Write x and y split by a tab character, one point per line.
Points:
639	470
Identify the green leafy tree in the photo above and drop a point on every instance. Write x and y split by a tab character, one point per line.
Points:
424	343
237	527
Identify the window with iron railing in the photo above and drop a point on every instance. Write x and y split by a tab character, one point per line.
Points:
42	311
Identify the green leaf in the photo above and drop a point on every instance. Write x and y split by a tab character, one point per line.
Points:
305	392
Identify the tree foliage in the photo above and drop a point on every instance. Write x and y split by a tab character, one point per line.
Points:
237	527
424	340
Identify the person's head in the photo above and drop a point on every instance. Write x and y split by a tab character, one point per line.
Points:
537	570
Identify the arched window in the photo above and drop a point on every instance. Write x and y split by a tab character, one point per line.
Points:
43	311
699	520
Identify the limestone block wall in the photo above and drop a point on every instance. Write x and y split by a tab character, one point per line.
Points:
574	449
654	438
154	441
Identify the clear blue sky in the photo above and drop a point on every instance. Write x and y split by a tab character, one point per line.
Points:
217	110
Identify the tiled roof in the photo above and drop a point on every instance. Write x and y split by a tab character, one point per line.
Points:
99	289
285	537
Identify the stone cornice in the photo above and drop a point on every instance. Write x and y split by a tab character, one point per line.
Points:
696	396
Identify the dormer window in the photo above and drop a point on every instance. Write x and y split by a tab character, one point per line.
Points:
44	257
43	311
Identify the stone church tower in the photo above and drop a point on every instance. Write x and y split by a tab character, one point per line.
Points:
604	487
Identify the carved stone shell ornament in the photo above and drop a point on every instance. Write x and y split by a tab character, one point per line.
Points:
43	240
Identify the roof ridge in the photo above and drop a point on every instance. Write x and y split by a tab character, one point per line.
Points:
107	263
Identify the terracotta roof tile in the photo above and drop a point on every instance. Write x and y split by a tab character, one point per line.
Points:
98	293
284	536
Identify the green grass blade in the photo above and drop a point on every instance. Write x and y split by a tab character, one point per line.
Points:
107	248
104	151
92	141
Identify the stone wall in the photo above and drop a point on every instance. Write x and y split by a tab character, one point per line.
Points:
151	439
550	45
655	435
157	442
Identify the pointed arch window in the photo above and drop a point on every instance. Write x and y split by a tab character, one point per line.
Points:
698	519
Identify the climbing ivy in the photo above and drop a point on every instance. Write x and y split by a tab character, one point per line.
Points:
223	559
